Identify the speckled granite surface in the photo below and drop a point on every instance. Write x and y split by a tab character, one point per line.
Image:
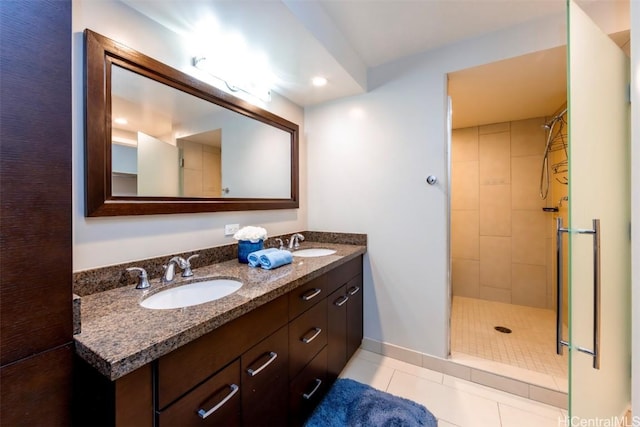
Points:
77	310
119	336
111	277
103	279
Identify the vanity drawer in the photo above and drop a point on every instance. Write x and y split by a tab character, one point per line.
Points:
307	336
184	368
341	275
307	295
308	389
265	381
219	396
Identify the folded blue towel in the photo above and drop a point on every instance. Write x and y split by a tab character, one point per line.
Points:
275	259
254	257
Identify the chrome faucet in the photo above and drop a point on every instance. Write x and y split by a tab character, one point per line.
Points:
143	283
281	243
184	264
294	242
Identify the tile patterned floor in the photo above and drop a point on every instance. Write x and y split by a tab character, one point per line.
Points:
530	346
455	402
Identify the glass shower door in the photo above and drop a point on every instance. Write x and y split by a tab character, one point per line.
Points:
599	224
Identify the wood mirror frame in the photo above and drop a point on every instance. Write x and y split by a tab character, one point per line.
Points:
100	53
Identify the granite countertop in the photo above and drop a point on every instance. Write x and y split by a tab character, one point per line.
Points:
119	336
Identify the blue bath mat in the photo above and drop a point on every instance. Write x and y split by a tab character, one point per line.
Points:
350	403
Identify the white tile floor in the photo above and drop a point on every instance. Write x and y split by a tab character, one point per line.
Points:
453	401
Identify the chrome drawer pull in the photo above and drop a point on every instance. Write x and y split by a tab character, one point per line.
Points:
341	301
310	395
354	290
273	355
308	296
204	414
313	337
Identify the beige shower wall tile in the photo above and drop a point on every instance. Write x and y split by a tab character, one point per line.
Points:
464	185
495	210
465	277
495	294
551	288
465	234
495	158
528	238
495	262
525	183
528	137
192	182
464	144
529	285
494	128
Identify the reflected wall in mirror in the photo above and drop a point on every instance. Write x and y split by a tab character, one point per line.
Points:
160	141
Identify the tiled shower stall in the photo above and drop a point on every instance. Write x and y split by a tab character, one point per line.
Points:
503	245
501	239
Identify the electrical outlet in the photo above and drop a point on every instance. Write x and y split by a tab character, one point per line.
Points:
231	229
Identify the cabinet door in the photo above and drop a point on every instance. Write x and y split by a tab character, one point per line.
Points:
336	332
265	381
307	336
354	315
308	389
216	402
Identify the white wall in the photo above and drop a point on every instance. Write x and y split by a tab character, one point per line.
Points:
368	158
105	241
635	204
260	173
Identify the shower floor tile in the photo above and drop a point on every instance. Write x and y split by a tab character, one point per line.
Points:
530	346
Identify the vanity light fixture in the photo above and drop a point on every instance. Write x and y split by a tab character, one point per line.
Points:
250	86
120	120
319	81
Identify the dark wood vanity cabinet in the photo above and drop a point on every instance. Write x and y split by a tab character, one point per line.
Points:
337	331
324	337
216	402
344	308
265	381
269	367
355	317
308	388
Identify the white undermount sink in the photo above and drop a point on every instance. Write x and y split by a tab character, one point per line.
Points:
192	294
313	252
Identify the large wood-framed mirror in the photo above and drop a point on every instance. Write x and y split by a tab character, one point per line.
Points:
159	141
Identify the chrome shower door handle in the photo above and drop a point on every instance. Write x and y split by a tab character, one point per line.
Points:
559	295
597	285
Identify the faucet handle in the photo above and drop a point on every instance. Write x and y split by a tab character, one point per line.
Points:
143	283
186	270
279	240
296	238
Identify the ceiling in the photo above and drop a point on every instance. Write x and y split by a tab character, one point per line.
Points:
343	39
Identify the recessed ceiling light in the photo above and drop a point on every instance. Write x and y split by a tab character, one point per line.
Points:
121	121
319	81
